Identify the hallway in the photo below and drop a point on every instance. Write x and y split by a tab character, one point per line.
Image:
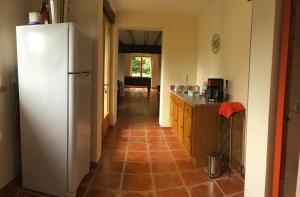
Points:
142	159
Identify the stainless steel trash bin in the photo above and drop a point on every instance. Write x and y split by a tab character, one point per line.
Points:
215	164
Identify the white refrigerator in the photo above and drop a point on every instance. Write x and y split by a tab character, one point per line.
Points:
54	68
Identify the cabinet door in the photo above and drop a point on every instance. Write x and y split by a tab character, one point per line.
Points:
180	123
174	120
187	128
171	110
173	113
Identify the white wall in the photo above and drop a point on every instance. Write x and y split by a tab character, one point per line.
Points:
262	97
179	48
12	13
232	21
121	66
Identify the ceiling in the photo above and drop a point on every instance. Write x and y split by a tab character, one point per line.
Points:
189	7
130	37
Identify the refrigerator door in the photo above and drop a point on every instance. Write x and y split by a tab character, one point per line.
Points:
43	89
79	128
80	59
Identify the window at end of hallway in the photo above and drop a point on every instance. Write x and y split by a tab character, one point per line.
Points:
141	66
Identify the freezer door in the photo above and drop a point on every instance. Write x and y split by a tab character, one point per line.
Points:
80	51
79	128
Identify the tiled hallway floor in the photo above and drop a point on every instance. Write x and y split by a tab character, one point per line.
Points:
142	159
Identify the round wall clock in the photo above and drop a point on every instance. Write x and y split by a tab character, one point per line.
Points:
215	43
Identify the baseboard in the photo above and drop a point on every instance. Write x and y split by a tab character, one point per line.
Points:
166	128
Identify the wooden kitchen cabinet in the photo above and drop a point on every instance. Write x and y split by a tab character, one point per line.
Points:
180	121
187	128
171	111
196	126
173	114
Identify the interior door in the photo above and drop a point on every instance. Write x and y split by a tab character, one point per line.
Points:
106	73
291	143
286	166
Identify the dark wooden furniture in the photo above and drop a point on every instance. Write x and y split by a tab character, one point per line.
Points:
120	90
138	82
196	124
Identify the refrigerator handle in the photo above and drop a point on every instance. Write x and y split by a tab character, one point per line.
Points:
86	73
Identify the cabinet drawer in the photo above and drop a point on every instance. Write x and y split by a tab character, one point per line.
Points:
188	109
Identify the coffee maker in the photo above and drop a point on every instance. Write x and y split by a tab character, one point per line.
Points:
215	90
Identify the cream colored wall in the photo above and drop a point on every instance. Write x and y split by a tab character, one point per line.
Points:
209	64
179	48
12	13
121	67
155	71
265	45
232	21
126	64
34	5
88	15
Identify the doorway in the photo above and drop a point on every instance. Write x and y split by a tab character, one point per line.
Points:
286	166
139	66
107	42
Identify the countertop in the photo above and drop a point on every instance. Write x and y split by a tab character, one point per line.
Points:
194	100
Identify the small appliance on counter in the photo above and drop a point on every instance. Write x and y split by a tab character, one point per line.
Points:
192	93
215	90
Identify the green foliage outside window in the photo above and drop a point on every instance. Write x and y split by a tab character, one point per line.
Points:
146	67
141	66
136	66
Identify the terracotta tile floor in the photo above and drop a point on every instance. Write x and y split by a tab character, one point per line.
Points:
141	159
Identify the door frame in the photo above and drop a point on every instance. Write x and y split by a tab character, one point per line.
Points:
106	119
281	95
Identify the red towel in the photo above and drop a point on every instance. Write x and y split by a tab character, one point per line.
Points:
228	108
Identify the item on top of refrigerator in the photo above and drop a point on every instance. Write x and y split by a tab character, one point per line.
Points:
34	18
45	18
